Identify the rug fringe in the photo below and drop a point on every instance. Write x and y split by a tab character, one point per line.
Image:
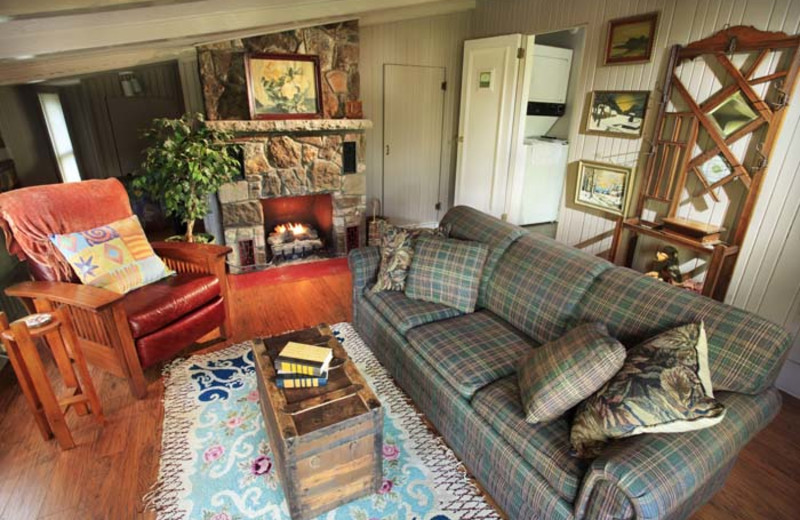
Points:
178	401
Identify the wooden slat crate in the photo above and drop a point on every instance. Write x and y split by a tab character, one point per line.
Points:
327	442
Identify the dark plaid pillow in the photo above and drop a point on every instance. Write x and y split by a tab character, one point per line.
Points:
447	271
560	374
664	386
397	251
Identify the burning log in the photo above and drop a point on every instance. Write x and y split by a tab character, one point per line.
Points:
292	240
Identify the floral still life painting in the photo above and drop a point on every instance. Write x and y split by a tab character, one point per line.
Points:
283	86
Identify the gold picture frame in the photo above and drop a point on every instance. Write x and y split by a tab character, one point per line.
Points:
630	40
602	186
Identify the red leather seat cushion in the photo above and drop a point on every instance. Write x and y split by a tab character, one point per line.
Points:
158	304
164	343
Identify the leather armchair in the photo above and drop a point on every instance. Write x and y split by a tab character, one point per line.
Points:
122	334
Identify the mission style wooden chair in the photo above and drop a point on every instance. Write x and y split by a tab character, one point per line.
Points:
122	334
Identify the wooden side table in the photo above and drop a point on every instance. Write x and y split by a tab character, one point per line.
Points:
48	409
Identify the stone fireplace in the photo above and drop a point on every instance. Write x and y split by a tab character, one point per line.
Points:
290	165
293	173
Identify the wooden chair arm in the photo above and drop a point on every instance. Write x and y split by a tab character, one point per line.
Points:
73	294
191	257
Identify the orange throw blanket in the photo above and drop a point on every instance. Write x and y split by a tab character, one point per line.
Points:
28	217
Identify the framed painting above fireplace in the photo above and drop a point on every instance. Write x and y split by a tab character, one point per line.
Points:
283	86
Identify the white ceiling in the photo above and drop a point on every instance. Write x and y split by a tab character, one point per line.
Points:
46	39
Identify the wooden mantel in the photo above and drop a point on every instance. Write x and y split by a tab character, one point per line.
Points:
294	126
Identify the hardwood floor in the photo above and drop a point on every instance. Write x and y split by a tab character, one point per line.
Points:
112	467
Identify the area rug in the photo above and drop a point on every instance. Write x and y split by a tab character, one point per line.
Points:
216	462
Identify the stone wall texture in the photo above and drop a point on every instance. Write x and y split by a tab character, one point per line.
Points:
223	76
287	165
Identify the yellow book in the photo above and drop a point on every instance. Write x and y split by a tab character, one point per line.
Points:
299	358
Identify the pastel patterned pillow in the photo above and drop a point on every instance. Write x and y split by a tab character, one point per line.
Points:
447	271
397	252
116	257
664	386
557	376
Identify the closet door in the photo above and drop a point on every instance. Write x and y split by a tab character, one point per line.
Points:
413	108
491	98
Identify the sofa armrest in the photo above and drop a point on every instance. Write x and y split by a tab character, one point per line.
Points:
364	263
657	475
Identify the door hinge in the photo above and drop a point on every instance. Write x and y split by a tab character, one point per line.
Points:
438	206
444	85
521	53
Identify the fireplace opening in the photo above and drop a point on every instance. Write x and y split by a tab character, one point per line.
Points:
298	228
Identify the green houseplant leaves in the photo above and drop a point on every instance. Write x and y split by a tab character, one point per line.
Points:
184	162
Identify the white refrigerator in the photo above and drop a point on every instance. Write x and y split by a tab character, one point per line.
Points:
545	168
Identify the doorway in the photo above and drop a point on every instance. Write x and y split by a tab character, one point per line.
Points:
413	111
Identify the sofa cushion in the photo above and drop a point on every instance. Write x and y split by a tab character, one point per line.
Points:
663	387
470	224
560	374
745	351
397	252
155	306
470	351
447	272
545	446
539	283
405	313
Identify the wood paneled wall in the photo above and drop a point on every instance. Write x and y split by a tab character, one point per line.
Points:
435	41
766	279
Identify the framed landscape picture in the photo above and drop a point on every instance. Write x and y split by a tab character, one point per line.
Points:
283	86
617	113
603	186
630	40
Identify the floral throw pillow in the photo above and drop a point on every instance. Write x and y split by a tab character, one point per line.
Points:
397	251
664	386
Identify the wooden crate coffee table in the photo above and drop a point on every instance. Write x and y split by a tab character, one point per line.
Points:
327	442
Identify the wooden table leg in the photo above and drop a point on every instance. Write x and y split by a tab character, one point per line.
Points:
86	386
61	356
25	383
31	359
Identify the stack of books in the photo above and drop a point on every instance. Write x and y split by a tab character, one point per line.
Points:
302	366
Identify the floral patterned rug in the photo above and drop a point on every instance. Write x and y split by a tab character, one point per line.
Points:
216	462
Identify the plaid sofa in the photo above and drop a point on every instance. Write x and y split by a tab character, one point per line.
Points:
459	369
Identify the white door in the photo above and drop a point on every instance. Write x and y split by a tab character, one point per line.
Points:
493	93
413	107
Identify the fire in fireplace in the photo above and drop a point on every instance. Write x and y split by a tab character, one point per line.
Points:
291	241
298	227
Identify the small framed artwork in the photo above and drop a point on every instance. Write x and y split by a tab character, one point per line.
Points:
630	40
603	186
485	79
732	114
617	113
283	86
715	169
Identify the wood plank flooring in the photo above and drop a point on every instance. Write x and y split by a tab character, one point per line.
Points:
107	474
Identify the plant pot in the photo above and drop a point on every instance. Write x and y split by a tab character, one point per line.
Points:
199	238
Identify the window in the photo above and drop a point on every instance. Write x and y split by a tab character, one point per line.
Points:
59	136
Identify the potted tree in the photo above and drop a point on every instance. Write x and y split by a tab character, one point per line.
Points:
184	163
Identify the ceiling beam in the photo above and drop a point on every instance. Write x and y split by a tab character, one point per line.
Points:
30	9
24	38
76	63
